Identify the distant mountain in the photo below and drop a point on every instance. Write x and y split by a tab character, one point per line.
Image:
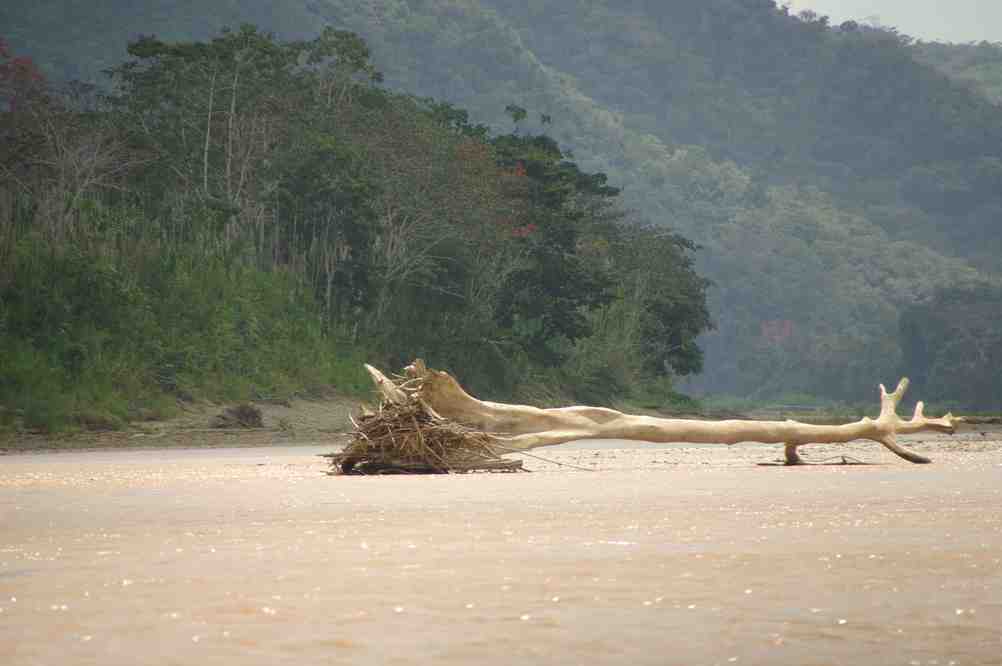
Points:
833	176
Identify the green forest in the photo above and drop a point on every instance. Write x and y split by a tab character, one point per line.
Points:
556	200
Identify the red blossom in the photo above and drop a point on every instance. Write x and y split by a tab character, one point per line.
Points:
19	77
523	231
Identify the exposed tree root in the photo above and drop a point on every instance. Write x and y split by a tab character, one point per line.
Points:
408	438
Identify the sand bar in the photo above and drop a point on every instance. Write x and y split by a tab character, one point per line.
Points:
664	555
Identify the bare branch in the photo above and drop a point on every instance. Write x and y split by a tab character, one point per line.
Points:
522	427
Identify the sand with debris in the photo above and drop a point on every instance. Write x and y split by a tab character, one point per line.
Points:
663	554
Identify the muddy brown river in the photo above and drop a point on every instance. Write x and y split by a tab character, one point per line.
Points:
663	555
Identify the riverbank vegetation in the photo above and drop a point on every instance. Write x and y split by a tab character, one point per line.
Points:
842	183
246	217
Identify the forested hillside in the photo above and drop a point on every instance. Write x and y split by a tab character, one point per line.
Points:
248	217
979	65
833	178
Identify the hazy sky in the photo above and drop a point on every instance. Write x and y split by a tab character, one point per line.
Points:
929	20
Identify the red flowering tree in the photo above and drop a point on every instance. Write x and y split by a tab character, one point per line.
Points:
20	79
51	149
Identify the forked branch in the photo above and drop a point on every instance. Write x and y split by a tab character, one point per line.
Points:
522	427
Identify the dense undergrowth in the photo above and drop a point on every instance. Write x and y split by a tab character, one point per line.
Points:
91	342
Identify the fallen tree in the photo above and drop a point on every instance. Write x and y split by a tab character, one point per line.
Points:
501	428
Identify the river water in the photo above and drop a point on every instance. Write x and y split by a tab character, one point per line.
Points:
664	555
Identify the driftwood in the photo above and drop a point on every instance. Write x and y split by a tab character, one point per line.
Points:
405	437
521	427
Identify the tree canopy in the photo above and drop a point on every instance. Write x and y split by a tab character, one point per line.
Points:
232	203
833	176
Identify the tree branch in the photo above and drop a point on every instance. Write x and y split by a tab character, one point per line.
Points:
522	427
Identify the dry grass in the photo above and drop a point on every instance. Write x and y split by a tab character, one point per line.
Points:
409	438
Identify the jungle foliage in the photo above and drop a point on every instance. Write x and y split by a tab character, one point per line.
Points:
979	65
835	177
248	217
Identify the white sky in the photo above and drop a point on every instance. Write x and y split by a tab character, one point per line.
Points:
928	20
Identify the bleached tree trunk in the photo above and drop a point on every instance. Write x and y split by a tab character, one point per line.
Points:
208	135
521	427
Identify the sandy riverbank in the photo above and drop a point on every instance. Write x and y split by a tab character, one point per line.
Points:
665	555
